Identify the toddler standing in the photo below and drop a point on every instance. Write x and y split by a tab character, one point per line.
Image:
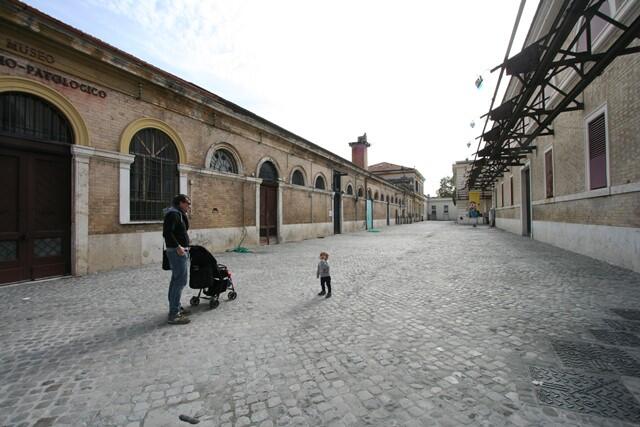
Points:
323	274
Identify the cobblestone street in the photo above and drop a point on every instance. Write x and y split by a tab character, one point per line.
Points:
427	326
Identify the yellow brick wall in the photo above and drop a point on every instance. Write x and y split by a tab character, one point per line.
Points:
296	206
220	203
321	207
618	210
508	213
379	210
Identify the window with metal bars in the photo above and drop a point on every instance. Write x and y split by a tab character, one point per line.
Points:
268	172
320	183
349	189
597	134
27	116
223	161
297	178
154	174
548	173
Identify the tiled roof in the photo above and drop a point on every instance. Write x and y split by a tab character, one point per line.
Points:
384	166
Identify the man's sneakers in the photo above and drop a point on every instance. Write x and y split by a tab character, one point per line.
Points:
180	319
321	293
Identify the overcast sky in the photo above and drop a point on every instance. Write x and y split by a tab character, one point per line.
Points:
328	71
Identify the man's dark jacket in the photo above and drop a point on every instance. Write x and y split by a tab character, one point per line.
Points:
175	228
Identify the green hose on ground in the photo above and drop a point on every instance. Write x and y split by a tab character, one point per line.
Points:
241	249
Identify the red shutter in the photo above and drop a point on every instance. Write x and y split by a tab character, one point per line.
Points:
548	168
597	153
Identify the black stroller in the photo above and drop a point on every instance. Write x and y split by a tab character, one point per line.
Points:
209	277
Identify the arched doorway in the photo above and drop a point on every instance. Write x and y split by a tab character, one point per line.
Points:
268	203
35	170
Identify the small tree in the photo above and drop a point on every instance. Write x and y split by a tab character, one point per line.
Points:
446	187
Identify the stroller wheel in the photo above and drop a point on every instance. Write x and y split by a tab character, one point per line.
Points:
232	295
214	303
194	301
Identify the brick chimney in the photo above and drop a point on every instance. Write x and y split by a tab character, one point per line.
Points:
359	151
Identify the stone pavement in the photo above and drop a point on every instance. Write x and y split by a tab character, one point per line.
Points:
429	324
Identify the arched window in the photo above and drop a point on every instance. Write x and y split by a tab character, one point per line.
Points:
27	116
320	183
223	161
154	174
360	192
297	178
268	172
375	196
369	193
387	198
349	189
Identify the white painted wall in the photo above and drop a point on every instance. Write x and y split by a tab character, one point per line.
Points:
297	232
379	223
351	226
616	245
508	224
440	203
109	251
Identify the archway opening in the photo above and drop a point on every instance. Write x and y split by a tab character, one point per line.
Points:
35	170
268	203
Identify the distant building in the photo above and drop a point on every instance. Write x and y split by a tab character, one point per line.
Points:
440	209
412	182
461	197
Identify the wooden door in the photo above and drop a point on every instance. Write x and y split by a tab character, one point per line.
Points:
35	219
12	246
269	213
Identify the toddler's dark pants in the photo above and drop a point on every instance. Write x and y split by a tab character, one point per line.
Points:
327	281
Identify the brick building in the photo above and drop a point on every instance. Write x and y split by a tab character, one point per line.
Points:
413	202
94	142
571	176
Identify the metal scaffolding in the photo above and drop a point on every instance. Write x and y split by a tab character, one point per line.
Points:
538	101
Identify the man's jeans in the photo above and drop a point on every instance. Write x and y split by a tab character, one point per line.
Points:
179	277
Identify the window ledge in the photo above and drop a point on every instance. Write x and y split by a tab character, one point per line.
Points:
141	222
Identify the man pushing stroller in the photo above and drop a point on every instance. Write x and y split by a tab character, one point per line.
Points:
176	238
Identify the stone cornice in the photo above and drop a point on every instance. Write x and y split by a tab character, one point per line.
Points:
91	152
